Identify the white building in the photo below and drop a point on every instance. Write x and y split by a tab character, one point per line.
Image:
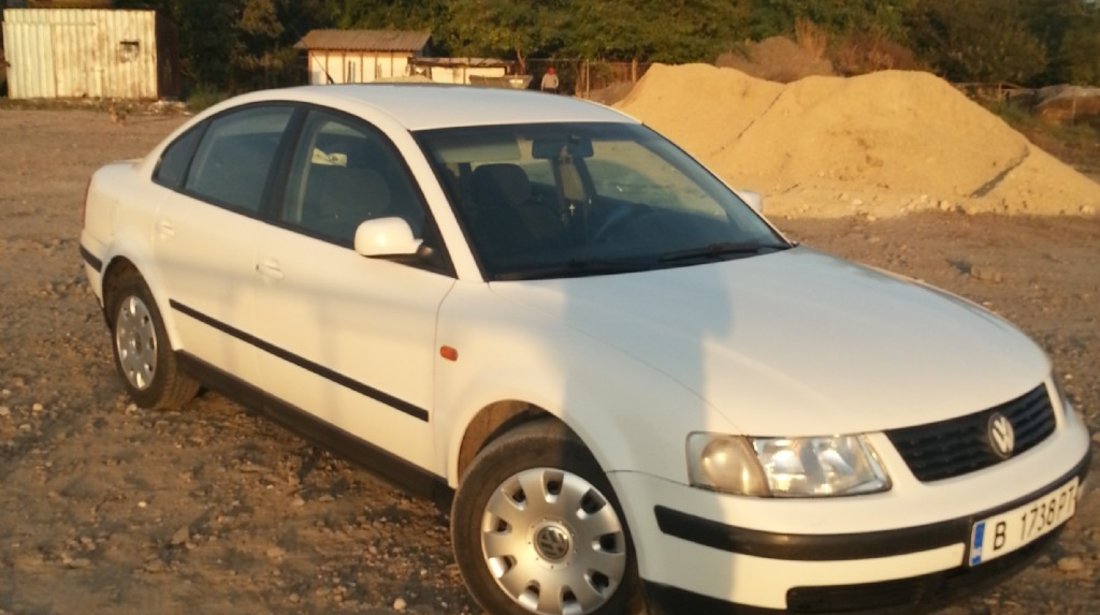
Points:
361	56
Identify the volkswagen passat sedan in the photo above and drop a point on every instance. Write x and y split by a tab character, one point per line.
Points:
637	388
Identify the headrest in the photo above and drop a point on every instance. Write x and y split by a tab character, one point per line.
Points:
501	185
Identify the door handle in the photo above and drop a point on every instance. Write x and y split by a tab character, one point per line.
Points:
269	268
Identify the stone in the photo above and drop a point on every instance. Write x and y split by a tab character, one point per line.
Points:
181	536
400	605
1071	564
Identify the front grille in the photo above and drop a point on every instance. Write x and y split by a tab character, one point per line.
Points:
957	446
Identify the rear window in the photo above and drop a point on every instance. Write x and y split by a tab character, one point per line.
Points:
173	162
233	161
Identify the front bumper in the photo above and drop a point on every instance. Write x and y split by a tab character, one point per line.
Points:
692	563
918	594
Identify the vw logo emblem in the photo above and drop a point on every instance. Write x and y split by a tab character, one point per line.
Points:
1002	438
552	543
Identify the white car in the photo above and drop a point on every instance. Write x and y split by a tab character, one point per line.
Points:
638	390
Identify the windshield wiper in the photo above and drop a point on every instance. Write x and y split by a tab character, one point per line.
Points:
577	268
717	251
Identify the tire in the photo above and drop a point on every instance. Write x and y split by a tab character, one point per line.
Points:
143	355
565	550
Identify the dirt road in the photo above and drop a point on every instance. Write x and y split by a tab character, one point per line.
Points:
107	508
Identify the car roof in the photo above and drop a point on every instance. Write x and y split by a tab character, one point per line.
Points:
428	106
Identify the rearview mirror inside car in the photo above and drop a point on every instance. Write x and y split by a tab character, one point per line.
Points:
574	147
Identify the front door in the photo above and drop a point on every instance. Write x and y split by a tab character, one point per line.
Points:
347	338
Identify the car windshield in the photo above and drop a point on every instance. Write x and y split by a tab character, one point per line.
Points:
575	199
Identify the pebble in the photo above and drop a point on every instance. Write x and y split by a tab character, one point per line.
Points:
945	205
78	563
181	536
37	407
156	566
400	605
986	274
1096	437
1071	564
5	411
275	553
295	598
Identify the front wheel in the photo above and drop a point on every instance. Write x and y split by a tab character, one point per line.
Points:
537	528
143	355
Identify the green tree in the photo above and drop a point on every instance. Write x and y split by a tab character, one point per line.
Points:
979	40
1079	52
681	31
777	17
503	28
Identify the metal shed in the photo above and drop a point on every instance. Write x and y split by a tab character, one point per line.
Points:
90	53
361	56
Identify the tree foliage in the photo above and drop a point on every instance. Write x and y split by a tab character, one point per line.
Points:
1031	41
978	41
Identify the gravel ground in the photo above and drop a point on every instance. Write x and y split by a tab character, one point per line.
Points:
108	508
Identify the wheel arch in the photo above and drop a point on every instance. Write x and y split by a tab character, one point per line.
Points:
120	264
490	423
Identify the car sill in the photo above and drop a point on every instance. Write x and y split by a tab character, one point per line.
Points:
398	472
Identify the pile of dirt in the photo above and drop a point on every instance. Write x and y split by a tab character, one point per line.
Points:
776	59
884	143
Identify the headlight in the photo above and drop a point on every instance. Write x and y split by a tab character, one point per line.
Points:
785	467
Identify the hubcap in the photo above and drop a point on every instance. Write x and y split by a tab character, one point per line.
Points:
553	542
136	341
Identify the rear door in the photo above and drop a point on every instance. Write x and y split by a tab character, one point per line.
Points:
208	227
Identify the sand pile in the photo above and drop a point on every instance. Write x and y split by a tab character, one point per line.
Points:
883	143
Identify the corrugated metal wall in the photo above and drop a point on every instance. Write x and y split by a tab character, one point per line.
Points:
77	53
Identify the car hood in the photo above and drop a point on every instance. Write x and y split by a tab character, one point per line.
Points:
798	342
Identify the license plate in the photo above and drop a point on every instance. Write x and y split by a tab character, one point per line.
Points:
1002	534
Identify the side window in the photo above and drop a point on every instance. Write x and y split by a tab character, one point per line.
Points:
175	158
233	160
343	174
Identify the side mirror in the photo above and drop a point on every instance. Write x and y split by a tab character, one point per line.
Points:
386	237
753	199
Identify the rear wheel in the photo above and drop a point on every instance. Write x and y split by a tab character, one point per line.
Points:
143	355
537	528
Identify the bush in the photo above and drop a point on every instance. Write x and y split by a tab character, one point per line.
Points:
861	53
203	96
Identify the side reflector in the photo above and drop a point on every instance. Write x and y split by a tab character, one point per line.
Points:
451	354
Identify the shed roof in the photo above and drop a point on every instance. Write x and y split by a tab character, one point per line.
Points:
365	40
